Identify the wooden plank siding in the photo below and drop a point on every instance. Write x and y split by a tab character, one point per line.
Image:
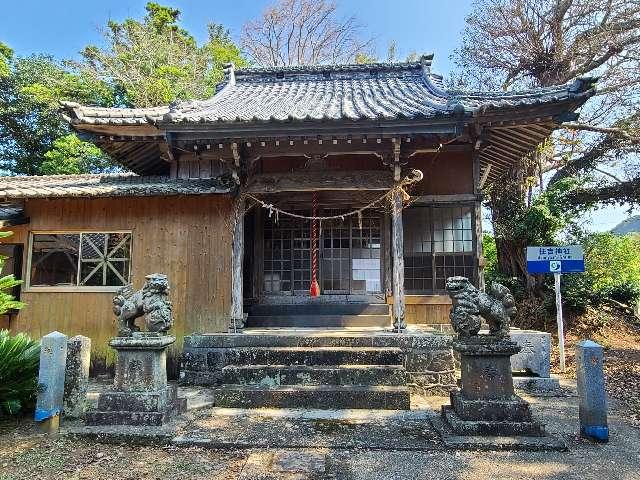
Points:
187	238
432	310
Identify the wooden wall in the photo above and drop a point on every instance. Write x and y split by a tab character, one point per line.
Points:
187	238
430	310
445	173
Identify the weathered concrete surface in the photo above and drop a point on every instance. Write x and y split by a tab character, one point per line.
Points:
591	391
76	378
53	358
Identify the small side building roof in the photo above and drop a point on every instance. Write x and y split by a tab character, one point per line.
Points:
114	185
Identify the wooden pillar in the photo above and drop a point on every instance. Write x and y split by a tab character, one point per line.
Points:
397	255
386	257
237	260
477	221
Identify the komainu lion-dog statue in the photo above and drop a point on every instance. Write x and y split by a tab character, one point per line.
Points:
470	306
152	301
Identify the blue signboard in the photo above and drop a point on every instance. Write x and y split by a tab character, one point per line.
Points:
565	259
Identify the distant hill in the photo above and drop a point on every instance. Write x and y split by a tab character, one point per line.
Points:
630	225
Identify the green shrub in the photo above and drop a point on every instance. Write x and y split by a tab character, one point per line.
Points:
7	302
19	363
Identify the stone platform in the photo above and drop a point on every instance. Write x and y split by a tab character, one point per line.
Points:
319	368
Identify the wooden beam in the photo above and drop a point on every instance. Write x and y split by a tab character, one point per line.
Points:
397	254
237	260
456	198
316	181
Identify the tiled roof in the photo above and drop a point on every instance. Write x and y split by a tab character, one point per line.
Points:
81	114
396	91
120	185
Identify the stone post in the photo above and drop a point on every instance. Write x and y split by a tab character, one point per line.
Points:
591	392
53	357
76	379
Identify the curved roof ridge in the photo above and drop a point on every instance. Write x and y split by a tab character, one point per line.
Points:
349	67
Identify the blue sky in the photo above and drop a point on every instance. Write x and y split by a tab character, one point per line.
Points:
62	28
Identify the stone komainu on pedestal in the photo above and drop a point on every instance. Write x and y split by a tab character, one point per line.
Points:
152	301
486	403
140	395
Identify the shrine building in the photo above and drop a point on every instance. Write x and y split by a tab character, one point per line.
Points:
323	197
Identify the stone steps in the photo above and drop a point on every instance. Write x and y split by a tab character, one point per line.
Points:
313	396
281	375
313	356
317	368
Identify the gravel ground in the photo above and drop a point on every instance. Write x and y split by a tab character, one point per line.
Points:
24	453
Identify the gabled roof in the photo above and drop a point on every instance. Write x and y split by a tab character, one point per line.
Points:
384	91
117	185
333	101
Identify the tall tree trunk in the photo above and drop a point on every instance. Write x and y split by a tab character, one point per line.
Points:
508	204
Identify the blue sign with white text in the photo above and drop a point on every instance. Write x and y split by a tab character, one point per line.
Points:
566	259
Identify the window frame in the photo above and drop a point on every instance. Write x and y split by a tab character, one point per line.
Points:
72	288
474	239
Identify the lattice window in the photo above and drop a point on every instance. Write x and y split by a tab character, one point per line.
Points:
438	243
86	259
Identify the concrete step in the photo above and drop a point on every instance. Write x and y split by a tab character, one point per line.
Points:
315	320
313	356
278	375
320	309
315	338
320	397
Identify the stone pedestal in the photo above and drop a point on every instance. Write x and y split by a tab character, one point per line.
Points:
486	403
140	394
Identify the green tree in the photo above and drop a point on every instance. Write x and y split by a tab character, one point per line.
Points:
70	155
6	54
30	121
540	43
155	61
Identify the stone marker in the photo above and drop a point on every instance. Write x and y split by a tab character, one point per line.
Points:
53	358
531	366
76	379
535	354
591	392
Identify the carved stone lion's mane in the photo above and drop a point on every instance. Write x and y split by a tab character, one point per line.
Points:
470	306
152	301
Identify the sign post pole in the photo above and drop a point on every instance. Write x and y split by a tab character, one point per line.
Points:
556	277
556	260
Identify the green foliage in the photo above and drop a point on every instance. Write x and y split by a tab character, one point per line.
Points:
70	156
5	57
29	101
7	301
19	362
154	61
612	272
